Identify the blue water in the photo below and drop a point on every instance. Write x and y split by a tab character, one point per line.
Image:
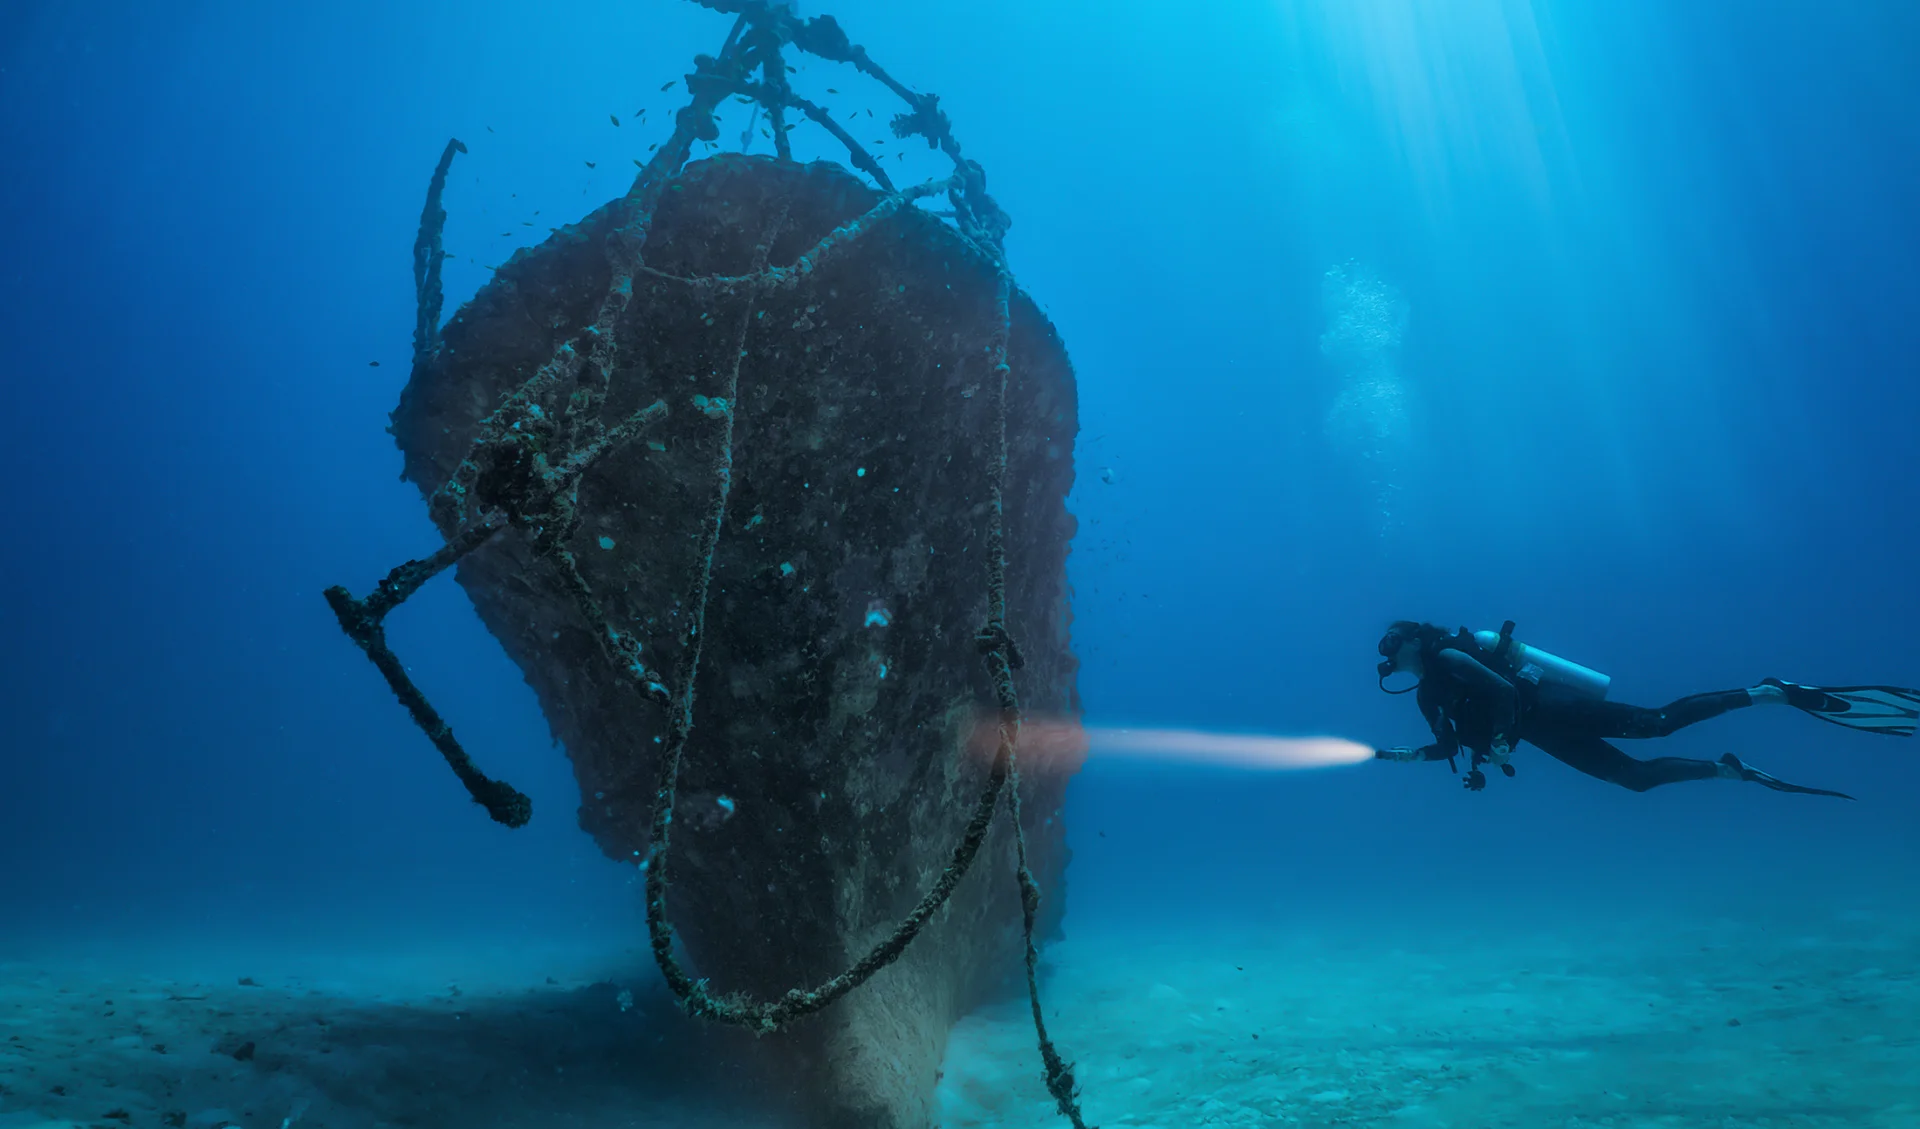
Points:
1601	318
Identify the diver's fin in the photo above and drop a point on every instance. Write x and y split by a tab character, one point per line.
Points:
1891	710
1735	767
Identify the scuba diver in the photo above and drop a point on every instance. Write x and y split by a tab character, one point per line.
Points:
1484	692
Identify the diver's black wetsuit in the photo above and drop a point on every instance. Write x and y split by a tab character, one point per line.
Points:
1467	703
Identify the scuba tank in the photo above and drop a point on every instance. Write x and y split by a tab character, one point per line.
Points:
1548	672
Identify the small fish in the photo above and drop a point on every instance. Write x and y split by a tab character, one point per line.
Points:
506	235
653	146
373	364
614	118
524	223
590	164
638	163
766	135
667	87
831	90
1106	475
638	113
869	113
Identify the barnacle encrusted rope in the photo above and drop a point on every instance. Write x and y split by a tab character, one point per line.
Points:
427	257
524	468
361	620
364	620
1002	659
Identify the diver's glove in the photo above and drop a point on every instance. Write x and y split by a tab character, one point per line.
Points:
1499	752
1402	753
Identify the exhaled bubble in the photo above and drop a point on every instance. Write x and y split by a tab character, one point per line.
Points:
1365	317
1368	418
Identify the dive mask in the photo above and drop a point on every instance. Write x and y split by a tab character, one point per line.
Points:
1396	637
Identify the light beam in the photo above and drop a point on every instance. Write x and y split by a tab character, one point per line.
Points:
1051	744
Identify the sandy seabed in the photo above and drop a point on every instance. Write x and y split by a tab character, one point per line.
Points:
1728	1024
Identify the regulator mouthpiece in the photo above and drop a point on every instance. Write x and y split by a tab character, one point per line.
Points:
1386	668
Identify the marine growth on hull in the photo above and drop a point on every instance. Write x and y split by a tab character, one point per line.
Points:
759	474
